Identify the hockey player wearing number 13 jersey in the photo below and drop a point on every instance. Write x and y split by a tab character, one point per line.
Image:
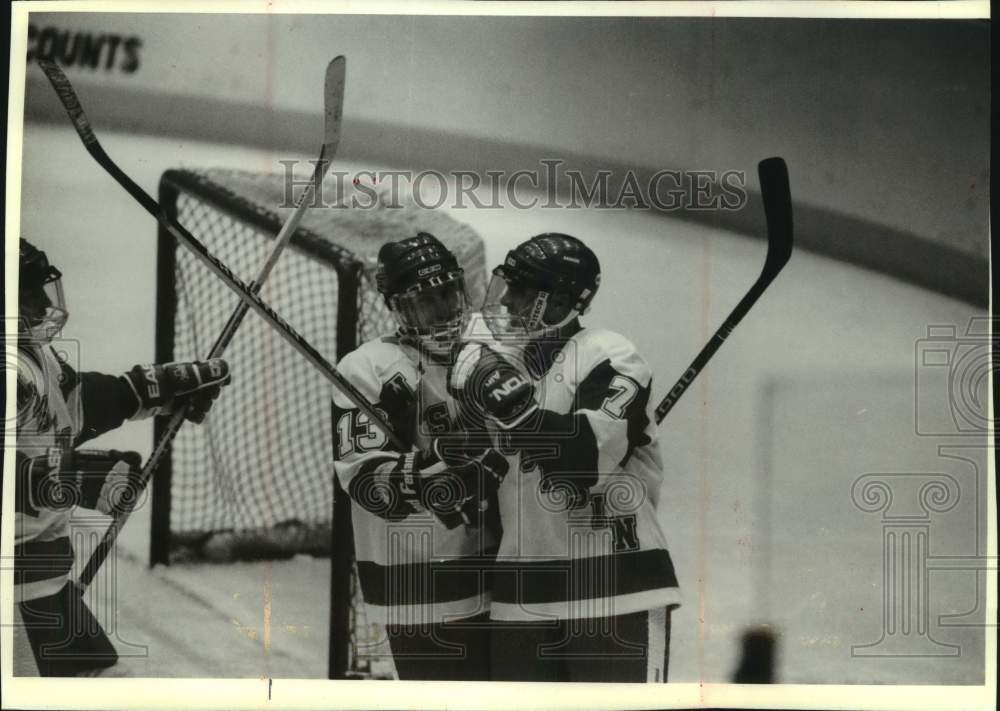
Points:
583	585
423	556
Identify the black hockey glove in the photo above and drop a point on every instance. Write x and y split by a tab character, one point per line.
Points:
402	484
459	494
102	480
162	388
455	493
486	382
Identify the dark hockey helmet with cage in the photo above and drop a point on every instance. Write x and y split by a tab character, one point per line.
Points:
34	268
424	286
557	263
42	305
550	263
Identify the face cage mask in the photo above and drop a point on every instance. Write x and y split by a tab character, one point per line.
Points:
433	312
46	312
517	312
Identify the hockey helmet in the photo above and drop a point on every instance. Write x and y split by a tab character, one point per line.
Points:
518	299
424	287
41	303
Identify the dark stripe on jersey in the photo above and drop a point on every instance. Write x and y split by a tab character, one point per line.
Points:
559	443
67	376
542	581
399	402
424	583
42	560
596	388
106	400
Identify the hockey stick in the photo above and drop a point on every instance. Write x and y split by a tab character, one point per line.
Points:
777	198
333	113
81	123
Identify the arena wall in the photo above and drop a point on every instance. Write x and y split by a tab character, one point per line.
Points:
884	124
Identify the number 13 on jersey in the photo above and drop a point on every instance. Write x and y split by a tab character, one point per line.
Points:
356	433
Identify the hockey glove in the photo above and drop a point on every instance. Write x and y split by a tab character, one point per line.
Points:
162	388
454	493
401	484
102	480
459	494
488	383
395	489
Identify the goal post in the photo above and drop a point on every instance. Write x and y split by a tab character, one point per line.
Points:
256	480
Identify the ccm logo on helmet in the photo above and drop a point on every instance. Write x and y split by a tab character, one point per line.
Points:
429	270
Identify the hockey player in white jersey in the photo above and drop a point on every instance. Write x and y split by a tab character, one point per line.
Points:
422	549
59	409
583	585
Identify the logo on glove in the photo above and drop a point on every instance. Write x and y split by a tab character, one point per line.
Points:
152	384
502	391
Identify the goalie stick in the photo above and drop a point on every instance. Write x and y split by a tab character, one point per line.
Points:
333	92
777	199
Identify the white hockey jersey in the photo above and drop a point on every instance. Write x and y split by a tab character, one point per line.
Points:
50	414
56	408
571	555
412	570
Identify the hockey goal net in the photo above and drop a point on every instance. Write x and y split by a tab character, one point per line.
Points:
256	480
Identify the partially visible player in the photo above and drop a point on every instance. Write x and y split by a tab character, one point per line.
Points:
422	550
59	409
584	585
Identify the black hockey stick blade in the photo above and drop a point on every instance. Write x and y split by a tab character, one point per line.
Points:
776	195
777	198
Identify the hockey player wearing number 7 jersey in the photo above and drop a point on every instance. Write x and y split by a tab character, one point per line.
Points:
422	549
58	409
584	585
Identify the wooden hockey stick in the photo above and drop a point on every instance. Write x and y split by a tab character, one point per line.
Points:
333	114
777	199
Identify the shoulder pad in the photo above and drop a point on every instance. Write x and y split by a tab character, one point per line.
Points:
596	345
370	365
